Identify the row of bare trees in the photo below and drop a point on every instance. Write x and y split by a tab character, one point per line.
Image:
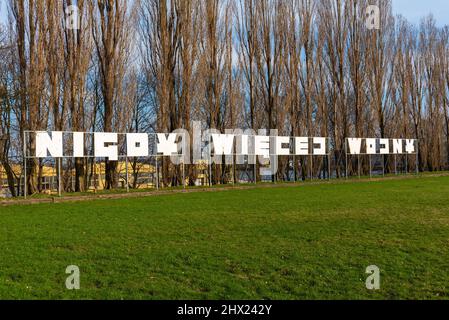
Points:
303	67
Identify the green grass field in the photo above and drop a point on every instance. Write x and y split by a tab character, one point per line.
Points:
292	242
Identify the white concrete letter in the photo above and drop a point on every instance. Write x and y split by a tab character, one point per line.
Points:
410	145
321	151
281	151
370	146
100	148
384	146
301	146
137	144
223	144
244	150
355	145
262	146
167	145
78	144
53	145
397	146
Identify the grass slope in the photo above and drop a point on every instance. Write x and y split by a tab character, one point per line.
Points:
304	242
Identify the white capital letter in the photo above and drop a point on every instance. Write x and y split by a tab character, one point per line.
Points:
137	144
167	145
321	151
397	146
244	150
302	146
78	144
370	146
262	146
410	145
384	146
100	148
223	144
355	144
53	145
280	151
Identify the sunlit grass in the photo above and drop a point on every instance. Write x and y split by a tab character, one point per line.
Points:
310	241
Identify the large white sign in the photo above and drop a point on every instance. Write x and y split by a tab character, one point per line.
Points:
107	145
137	145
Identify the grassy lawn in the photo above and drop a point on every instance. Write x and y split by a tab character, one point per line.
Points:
295	242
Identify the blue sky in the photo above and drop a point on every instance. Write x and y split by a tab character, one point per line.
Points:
413	10
3	13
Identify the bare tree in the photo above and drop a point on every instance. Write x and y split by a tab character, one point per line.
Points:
111	34
27	18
